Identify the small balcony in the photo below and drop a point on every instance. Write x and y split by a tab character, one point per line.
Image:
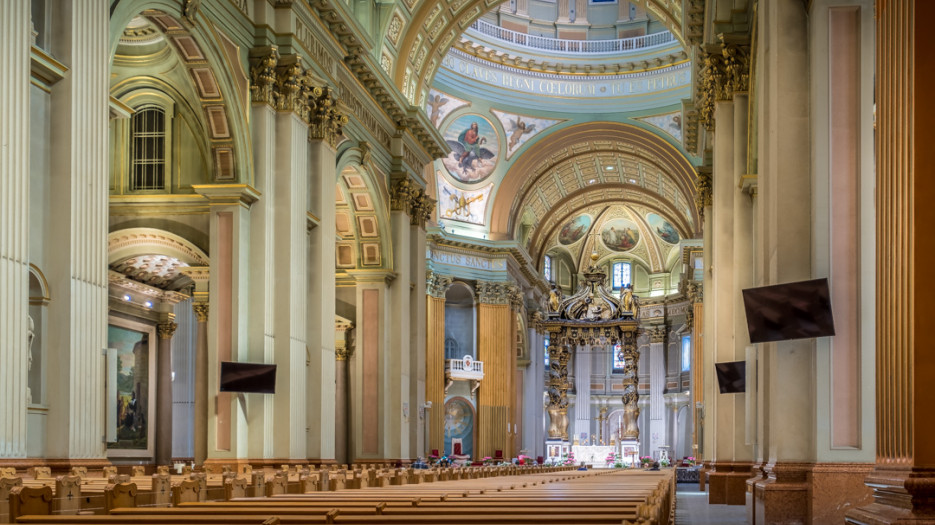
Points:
464	369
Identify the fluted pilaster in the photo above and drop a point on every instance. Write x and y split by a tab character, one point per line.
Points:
494	348
14	225
436	286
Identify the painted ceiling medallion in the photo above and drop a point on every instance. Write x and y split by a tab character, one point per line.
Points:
574	230
461	205
663	228
475	148
620	235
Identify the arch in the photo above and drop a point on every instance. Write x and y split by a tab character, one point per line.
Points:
39	291
196	43
128	242
434	26
606	138
362	200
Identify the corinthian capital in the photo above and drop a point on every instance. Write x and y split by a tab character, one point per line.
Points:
421	207
201	311
401	194
263	75
326	121
436	285
492	293
166	329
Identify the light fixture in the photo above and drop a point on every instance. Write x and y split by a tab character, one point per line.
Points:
608	168
592	181
126	297
148	304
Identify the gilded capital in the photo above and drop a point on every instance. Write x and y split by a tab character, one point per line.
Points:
657	334
166	329
515	296
436	285
326	121
263	76
401	195
289	82
492	292
341	351
736	66
201	311
422	207
704	190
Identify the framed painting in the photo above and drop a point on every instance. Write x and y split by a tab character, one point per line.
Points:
131	388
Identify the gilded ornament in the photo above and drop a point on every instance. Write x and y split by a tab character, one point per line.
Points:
326	121
201	311
401	195
288	85
436	285
166	330
263	78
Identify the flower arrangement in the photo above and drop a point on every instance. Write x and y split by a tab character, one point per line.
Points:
664	462
646	460
525	460
690	460
488	460
569	459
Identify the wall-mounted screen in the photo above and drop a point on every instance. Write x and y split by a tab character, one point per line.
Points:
255	378
796	310
731	377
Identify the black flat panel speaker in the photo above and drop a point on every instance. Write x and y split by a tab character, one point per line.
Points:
254	378
731	377
781	312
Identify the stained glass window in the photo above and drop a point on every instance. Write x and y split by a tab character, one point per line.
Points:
621	275
547	268
546	352
686	353
618	358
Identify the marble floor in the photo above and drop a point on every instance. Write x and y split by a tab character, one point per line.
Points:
691	508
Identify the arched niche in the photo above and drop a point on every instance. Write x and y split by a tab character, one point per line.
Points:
460	321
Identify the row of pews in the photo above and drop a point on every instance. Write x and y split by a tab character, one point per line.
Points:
460	496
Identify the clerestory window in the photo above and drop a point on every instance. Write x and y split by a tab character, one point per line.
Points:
148	149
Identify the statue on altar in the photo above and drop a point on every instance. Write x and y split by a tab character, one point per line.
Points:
631	413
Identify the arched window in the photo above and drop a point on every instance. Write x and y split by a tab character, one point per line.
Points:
148	149
621	275
547	268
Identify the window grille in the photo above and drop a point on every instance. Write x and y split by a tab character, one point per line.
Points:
148	149
547	268
621	275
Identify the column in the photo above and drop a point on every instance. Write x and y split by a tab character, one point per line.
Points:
581	13
325	129
290	263
902	480
261	331
785	187
14	225
435	287
227	430
583	394
563	13
200	306
78	273
165	329
493	348
423	208
657	387
396	410
533	414
342	350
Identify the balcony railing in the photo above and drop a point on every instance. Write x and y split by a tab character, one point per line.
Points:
618	45
464	369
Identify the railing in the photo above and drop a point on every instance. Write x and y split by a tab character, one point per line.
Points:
457	370
572	46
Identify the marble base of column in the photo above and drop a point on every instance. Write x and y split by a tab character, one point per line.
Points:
900	495
758	475
783	496
728	482
703	475
340	410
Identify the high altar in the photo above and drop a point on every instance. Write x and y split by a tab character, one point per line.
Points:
592	316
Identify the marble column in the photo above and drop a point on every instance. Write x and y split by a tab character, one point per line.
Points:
581	13
342	350
78	272
533	415
165	330
290	267
493	348
436	286
903	480
582	395
261	331
14	225
563	13
200	307
785	203
422	210
368	379
324	131
657	387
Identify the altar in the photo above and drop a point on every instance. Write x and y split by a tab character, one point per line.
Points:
595	455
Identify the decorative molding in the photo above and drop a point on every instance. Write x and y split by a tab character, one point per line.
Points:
422	208
657	334
704	189
289	84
